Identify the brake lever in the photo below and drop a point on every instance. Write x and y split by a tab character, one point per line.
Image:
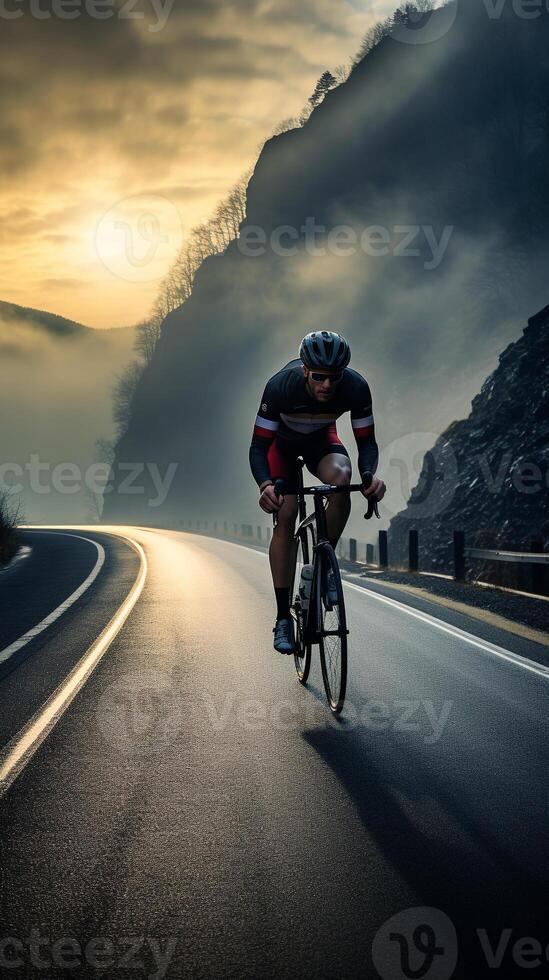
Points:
372	504
372	509
278	488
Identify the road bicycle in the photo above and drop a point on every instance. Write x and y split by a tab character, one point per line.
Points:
317	600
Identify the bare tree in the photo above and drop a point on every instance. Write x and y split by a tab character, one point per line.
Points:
285	125
10	517
123	396
373	37
342	72
147	333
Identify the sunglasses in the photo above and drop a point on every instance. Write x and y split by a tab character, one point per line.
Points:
334	378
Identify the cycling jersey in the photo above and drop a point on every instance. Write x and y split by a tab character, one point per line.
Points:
291	421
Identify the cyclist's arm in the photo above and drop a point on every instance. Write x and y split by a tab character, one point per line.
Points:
265	428
362	421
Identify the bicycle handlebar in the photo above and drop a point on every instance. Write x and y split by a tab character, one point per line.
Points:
325	489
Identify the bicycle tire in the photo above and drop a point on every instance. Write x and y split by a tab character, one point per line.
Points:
302	659
333	648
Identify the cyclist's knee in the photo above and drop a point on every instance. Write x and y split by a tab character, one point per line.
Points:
287	514
341	475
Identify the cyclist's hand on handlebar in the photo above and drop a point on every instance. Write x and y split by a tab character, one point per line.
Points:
375	489
268	500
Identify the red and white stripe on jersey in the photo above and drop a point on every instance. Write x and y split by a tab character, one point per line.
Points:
363	427
307	424
265	427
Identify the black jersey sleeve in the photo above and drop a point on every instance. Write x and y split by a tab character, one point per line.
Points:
265	428
362	421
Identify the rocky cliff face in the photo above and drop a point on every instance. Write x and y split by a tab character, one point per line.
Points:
432	159
488	475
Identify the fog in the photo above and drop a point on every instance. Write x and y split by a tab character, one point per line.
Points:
55	402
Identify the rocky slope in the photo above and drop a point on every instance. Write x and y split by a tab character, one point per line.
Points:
434	157
488	474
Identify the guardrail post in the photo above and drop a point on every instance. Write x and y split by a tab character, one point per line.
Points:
352	549
538	572
259	532
383	550
459	556
369	554
225	531
413	551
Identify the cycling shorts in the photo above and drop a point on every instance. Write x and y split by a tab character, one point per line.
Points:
283	452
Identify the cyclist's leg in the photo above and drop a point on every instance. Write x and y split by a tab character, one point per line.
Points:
331	464
282	547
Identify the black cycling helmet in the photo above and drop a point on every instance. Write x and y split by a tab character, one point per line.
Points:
325	350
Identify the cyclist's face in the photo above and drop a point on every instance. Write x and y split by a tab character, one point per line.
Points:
322	390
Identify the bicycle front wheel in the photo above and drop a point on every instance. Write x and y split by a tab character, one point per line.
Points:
302	658
332	629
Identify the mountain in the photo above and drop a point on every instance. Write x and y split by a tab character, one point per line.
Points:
55	402
427	170
488	474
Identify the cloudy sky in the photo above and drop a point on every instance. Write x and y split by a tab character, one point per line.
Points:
122	125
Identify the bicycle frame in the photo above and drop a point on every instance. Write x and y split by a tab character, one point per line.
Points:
319	531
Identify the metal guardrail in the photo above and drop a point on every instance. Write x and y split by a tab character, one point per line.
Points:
527	557
262	536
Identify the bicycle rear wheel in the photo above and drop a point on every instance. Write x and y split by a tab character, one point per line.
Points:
302	658
333	632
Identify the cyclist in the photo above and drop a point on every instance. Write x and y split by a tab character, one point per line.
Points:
297	417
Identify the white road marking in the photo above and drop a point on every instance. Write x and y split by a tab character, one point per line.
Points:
21	748
439	624
8	652
491	648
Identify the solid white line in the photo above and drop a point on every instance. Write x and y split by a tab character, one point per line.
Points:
491	648
21	748
8	652
484	645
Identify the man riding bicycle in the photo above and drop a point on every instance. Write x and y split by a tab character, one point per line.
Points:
297	417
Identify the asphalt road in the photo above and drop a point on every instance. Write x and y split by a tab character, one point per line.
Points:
196	813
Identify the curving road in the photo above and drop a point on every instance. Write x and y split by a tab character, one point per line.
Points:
195	813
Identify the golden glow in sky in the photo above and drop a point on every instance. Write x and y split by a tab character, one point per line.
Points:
117	135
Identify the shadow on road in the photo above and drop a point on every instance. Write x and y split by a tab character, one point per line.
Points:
438	837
